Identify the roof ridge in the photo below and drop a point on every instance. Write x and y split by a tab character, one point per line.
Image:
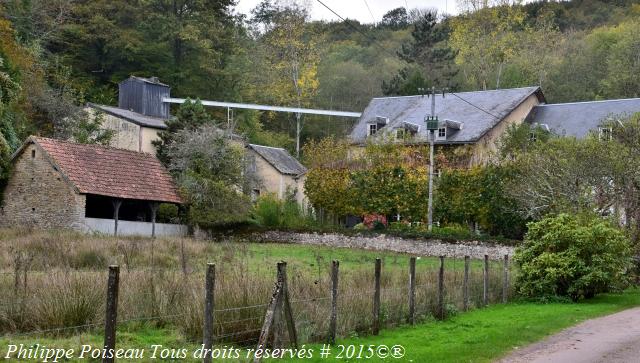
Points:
478	91
97	146
270	147
595	101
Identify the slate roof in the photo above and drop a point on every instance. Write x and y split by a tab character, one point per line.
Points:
103	170
578	118
280	159
413	109
136	118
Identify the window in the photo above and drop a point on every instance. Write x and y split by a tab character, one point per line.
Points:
442	133
33	153
606	133
373	128
401	134
255	194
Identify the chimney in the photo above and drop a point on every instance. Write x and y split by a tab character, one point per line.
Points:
144	96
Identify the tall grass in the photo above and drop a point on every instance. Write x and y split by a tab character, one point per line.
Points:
60	281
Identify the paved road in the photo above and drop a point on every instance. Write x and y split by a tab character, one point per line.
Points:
612	339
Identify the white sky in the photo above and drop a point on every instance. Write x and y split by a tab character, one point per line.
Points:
357	9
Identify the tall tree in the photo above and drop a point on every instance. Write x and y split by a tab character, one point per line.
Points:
430	59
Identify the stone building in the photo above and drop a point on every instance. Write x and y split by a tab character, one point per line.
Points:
142	114
475	120
61	184
278	173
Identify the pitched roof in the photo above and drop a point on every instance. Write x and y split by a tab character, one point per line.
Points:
280	159
103	170
578	118
479	111
136	118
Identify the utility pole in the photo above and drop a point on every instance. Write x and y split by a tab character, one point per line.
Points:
432	127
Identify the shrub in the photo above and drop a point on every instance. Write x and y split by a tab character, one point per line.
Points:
267	211
575	257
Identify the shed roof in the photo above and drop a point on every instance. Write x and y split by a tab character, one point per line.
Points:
136	118
578	118
103	170
479	111
280	159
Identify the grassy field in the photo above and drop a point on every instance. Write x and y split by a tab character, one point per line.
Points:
54	281
486	334
478	336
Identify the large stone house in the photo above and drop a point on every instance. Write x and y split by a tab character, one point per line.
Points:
93	188
472	119
142	114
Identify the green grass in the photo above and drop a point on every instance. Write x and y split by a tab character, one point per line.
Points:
486	334
477	336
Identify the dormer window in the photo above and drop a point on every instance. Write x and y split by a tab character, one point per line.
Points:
441	133
373	128
376	125
401	134
605	133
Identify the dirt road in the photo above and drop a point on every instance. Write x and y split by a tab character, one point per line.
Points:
613	338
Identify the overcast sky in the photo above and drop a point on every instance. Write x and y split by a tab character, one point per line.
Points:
357	9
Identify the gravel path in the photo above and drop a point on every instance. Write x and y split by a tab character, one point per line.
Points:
613	338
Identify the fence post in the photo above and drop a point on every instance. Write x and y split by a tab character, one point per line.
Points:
441	289
333	321
412	290
485	282
465	285
288	313
111	313
505	279
207	341
376	298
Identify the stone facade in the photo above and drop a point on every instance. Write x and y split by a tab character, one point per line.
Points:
126	134
432	247
270	180
37	195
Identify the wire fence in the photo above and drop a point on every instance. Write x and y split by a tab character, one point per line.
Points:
64	303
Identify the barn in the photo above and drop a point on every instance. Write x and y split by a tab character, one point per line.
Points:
90	188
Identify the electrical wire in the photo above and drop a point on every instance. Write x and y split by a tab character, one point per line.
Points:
370	13
476	106
374	41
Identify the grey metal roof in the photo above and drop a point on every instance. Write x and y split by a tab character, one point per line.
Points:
136	118
279	159
414	109
152	80
578	118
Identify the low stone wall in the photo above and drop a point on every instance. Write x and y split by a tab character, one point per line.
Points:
418	247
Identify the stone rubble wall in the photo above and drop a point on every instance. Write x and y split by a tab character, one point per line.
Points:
418	247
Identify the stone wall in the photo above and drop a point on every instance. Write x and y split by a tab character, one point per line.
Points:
474	249
38	195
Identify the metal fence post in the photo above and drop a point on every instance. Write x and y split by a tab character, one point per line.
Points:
505	280
441	289
485	284
465	285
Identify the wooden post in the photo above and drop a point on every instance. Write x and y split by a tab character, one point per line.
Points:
412	290
288	313
209	305
279	300
116	211
333	320
465	285
154	211
441	289
505	280
485	282
376	298
111	313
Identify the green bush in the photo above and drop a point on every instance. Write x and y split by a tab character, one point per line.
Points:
575	257
273	212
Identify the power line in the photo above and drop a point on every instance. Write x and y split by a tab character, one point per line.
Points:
478	107
371	13
374	41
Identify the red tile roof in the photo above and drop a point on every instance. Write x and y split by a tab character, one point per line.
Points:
103	170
